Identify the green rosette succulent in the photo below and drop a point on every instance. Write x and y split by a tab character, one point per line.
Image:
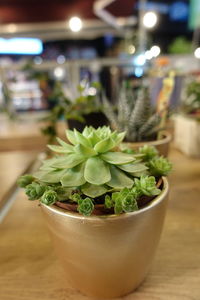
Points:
159	166
24	180
85	206
49	197
91	169
91	162
146	185
34	190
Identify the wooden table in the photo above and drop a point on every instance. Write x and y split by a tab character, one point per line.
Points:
12	165
25	134
29	269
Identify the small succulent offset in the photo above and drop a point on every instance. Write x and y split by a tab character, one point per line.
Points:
133	115
92	170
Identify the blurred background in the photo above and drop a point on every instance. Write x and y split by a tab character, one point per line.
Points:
130	64
50	49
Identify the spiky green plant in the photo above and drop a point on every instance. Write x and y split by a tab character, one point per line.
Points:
133	114
91	169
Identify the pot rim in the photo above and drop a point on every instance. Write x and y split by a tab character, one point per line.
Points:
167	137
112	217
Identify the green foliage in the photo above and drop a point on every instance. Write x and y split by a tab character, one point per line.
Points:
108	203
85	206
125	200
180	45
90	162
90	169
34	190
146	185
159	166
149	152
75	108
191	98
24	180
49	197
133	114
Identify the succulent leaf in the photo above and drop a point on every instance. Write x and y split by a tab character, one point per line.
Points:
132	168
93	191
68	161
71	137
96	171
119	179
74	176
52	176
81	139
85	151
105	145
58	149
65	145
117	158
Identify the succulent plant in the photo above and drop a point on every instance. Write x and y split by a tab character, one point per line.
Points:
191	97
159	166
72	103
90	169
90	162
133	115
24	180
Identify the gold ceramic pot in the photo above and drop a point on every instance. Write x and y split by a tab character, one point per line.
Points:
107	256
161	145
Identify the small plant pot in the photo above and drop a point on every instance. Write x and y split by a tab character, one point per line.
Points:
161	145
95	119
187	135
107	256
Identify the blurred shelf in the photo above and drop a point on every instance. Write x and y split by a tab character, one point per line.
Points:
30	269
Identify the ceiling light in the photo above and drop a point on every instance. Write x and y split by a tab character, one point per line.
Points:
155	51
92	91
59	73
131	49
148	55
150	19
61	59
197	53
139	60
75	24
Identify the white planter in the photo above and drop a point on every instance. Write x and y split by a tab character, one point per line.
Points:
187	135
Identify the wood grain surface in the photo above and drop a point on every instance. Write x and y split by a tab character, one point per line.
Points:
12	165
29	269
24	135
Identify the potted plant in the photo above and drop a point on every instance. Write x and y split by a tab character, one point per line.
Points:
79	106
105	209
188	119
135	115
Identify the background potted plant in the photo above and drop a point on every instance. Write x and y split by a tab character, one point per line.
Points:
187	121
104	208
79	106
135	115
